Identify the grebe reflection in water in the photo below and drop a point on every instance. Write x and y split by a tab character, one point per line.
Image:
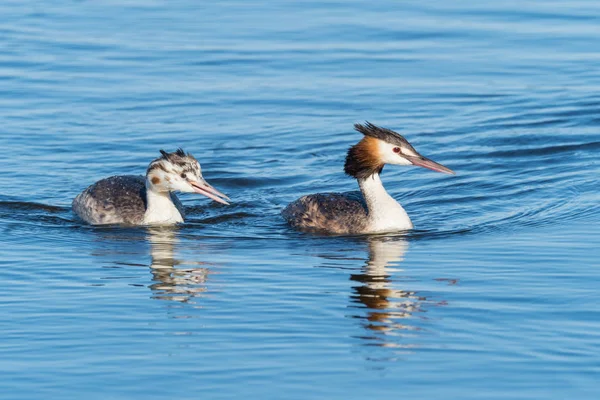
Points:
387	312
170	281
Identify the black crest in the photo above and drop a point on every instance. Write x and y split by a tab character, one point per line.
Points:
387	135
174	156
179	158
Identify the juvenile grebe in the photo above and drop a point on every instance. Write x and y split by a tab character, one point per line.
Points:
138	200
374	211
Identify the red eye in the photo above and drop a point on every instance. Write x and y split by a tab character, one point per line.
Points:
396	149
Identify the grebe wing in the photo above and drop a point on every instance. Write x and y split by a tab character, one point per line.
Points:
340	213
114	200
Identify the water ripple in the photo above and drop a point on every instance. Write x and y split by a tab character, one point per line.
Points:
498	279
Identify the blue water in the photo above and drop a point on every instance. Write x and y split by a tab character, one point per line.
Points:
494	295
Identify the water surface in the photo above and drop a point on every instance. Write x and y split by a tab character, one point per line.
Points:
494	295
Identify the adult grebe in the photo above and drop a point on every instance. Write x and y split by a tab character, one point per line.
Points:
374	211
135	200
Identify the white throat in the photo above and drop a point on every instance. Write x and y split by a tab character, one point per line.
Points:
160	209
385	213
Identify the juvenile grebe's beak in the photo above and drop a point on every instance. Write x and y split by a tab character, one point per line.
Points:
425	162
207	190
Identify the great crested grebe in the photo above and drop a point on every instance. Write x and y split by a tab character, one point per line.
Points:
138	200
374	211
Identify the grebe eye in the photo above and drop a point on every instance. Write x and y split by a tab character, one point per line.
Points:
396	149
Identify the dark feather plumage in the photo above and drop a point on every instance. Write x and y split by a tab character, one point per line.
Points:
338	213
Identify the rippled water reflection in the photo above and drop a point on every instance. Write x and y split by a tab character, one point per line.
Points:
386	307
174	279
493	295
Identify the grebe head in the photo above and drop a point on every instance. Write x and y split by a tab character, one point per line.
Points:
382	146
180	172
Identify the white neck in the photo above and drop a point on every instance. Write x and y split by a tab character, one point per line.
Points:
385	213
160	209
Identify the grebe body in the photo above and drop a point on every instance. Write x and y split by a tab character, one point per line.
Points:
149	200
372	210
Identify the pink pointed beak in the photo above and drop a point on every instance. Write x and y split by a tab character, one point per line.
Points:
207	190
425	162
